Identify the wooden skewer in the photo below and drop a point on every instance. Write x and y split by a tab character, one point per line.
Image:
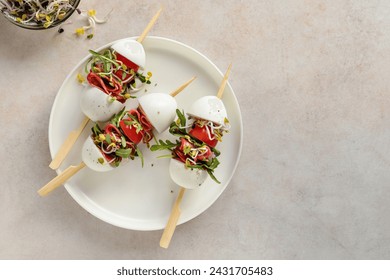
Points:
74	135
175	212
183	86
60	179
71	170
172	222
224	82
149	26
67	145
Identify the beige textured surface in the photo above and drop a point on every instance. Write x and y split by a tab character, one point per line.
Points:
312	79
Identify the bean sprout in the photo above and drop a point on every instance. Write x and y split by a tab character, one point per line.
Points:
92	20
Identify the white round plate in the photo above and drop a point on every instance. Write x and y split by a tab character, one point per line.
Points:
136	197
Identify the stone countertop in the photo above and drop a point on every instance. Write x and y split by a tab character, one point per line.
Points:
312	83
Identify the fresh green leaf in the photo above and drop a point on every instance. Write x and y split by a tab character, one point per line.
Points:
108	138
181	117
123	140
211	173
96	130
124	153
139	153
215	151
116	163
86	65
116	118
168	145
141	77
166	156
213	164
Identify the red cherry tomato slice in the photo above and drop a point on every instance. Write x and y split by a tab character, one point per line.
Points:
127	62
201	134
131	132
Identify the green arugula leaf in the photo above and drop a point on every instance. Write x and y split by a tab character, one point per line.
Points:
213	164
139	153
142	78
123	140
108	138
211	173
116	163
124	153
117	118
166	156
215	151
86	64
181	117
96	130
168	145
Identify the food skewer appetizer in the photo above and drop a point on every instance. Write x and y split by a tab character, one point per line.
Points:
108	93
106	148
194	156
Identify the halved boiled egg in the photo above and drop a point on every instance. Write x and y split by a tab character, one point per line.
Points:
160	109
93	157
185	176
97	106
131	53
209	108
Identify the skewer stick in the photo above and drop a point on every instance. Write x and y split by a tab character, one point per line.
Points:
172	222
74	135
224	82
175	212
67	145
149	26
183	86
60	179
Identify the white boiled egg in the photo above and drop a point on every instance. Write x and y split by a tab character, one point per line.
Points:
186	177
159	108
96	105
132	50
209	108
93	157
